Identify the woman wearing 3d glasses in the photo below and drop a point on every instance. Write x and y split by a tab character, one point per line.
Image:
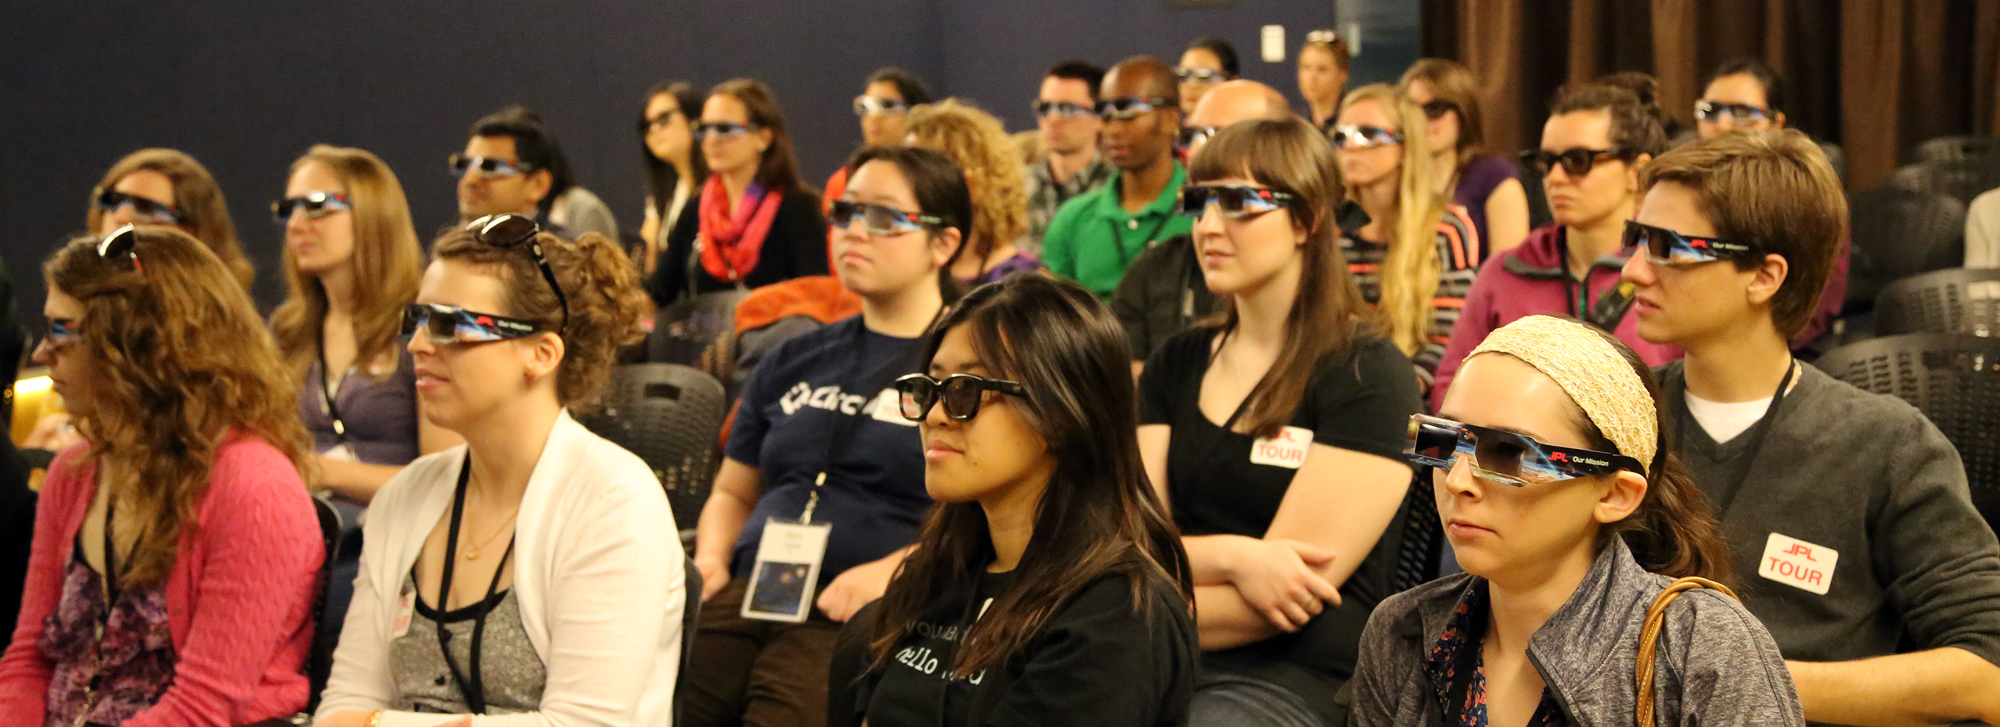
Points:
1487	186
1416	257
1048	586
535	570
756	222
1596	138
176	555
1557	486
822	490
168	187
1276	434
883	109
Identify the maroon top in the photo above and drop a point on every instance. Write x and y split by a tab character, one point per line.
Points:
1476	181
111	677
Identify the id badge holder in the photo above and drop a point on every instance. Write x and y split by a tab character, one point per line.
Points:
788	561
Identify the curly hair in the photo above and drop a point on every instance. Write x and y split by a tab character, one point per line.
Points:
205	215
991	161
386	255
181	363
605	301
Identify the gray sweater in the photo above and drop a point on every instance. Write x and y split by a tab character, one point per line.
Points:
1868	477
1714	665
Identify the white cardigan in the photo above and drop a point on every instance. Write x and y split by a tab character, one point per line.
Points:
598	574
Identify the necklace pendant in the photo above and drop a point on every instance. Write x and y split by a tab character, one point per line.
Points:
472	554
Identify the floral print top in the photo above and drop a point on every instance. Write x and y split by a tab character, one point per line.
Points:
107	678
1457	670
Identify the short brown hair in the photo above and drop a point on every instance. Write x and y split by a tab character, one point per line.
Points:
1635	121
1334	45
204	213
779	168
1773	189
1450	81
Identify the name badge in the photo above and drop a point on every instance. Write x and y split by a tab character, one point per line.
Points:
1286	449
782	582
1797	563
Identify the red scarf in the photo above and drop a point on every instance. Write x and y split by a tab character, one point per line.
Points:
731	243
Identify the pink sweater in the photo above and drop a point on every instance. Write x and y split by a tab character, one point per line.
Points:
239	598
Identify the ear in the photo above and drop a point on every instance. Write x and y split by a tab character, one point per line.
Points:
764	139
1777	119
1627	490
1632	172
944	245
1768	278
542	355
539	184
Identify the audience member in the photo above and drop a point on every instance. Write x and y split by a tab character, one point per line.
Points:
1048	585
1066	117
1276	434
176	554
1877	577
535	570
168	187
1982	231
1416	257
1647	88
1593	144
883	108
1206	62
1488	187
1094	237
1323	62
819	443
754	202
674	170
977	143
1558	488
512	165
1746	94
1164	291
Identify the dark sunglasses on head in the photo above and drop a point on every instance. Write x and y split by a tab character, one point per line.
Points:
1199	75
865	105
61	331
1436	108
1667	247
121	243
961	394
1350	136
452	324
1742	113
1236	201
1576	162
316	205
152	211
722	130
1062	110
880	219
1505	457
1192	136
487	167
508	231
1129	108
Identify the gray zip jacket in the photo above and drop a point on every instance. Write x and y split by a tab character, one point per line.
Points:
1716	665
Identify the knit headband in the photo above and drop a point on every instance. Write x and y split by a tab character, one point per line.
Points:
1591	371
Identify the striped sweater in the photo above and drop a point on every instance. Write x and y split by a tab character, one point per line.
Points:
1459	255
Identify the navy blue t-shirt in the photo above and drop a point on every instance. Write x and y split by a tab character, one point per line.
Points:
806	389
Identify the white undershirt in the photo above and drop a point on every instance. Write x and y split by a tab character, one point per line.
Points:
1724	420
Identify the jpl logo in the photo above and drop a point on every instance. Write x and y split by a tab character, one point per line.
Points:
1558	456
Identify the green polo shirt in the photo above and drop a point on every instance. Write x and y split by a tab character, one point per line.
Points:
1092	238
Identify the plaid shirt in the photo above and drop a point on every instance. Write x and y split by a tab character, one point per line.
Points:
1046	195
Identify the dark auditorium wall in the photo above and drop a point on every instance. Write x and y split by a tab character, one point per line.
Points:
246	88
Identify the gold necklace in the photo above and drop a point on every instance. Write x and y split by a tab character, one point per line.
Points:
472	553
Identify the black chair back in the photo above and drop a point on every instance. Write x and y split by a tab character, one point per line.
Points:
671	416
1898	233
1954	379
1961	180
319	661
1954	149
682	331
1417	555
1959	300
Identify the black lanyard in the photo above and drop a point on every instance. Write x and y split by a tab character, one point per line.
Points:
1763	426
326	396
474	688
843	432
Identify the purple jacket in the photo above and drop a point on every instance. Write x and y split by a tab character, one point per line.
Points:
1530	280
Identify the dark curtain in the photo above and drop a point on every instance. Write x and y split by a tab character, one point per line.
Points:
1875	76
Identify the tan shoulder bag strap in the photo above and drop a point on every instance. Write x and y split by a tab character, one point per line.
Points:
1649	637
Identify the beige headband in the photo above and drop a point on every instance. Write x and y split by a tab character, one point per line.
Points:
1591	371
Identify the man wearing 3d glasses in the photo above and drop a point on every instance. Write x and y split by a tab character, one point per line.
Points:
512	165
1066	114
1095	236
1847	514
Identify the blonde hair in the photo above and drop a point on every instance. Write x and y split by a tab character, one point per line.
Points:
1409	275
204	214
976	142
387	262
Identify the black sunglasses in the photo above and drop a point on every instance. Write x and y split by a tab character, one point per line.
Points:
961	394
1667	247
1741	113
110	200
452	324
1505	457
880	219
1236	201
487	167
722	130
1576	162
1062	110
122	242
1436	108
1129	108
316	205
1195	135
509	230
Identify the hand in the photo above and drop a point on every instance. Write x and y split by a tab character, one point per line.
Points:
858	587
54	433
1281	580
714	575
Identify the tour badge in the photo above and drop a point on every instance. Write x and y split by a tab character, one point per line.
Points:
1286	449
1798	563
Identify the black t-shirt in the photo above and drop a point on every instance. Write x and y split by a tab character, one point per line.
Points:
1100	660
1361	402
835	378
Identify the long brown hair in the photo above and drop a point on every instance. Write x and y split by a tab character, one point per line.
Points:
1328	318
1452	82
1410	271
204	214
387	261
779	168
180	362
991	162
1099	515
